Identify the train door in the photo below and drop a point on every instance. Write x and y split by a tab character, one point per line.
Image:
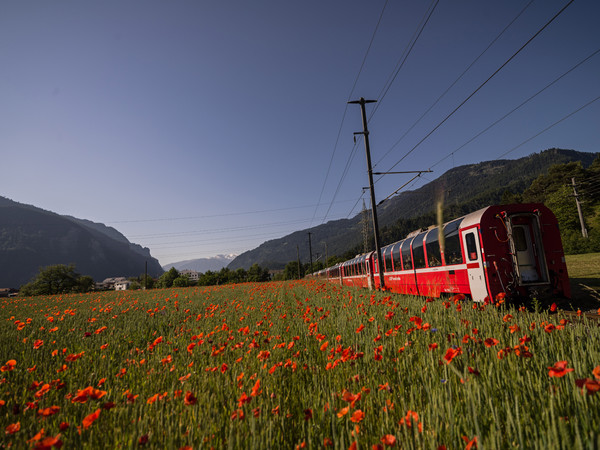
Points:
528	253
474	260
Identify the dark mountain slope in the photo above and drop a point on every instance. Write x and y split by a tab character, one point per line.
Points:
31	238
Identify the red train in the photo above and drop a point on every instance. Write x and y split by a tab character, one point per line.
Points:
511	249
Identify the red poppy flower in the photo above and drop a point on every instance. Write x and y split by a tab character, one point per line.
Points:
49	442
189	399
10	365
13	428
48	411
490	342
591	386
357	416
90	419
256	390
451	353
389	440
470	443
342	412
559	369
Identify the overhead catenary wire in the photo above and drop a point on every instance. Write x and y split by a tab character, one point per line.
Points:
451	154
482	85
454	82
404	56
549	127
345	111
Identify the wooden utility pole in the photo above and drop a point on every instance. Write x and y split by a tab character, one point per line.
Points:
310	251
298	256
365	133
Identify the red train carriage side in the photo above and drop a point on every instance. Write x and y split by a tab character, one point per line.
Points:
514	249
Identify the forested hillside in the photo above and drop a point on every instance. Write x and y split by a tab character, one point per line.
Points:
461	190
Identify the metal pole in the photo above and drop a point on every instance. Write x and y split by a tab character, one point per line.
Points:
584	232
310	251
298	256
365	132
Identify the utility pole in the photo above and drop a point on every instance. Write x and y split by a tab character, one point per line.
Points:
310	251
146	277
298	256
365	133
583	229
365	228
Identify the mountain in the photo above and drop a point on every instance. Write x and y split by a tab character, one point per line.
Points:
31	238
202	265
463	189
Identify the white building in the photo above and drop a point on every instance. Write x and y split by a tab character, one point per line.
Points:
191	274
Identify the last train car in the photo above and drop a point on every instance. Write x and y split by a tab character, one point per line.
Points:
511	249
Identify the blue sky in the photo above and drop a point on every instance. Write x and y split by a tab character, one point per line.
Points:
199	128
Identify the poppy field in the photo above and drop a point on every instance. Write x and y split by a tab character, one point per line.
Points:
293	365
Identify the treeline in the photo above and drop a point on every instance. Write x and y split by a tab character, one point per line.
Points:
172	277
557	192
63	279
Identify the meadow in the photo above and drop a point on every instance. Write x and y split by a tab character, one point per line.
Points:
293	365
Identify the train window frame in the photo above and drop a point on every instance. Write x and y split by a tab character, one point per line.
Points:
432	248
405	251
452	249
471	245
418	251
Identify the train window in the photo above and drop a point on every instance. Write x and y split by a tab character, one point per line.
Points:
406	256
432	244
471	247
418	251
452	251
520	239
396	256
387	257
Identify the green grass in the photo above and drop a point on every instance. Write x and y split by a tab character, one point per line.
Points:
584	266
584	274
316	349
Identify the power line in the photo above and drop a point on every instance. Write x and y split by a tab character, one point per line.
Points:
221	230
517	107
482	84
404	56
346	110
455	81
549	127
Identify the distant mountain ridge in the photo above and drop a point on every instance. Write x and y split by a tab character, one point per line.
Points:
202	265
31	238
464	189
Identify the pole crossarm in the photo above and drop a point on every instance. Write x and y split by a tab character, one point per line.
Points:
407	171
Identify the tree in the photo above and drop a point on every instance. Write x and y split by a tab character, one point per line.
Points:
57	279
258	274
167	278
291	271
181	281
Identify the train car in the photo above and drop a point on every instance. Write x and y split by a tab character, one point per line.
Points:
511	249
